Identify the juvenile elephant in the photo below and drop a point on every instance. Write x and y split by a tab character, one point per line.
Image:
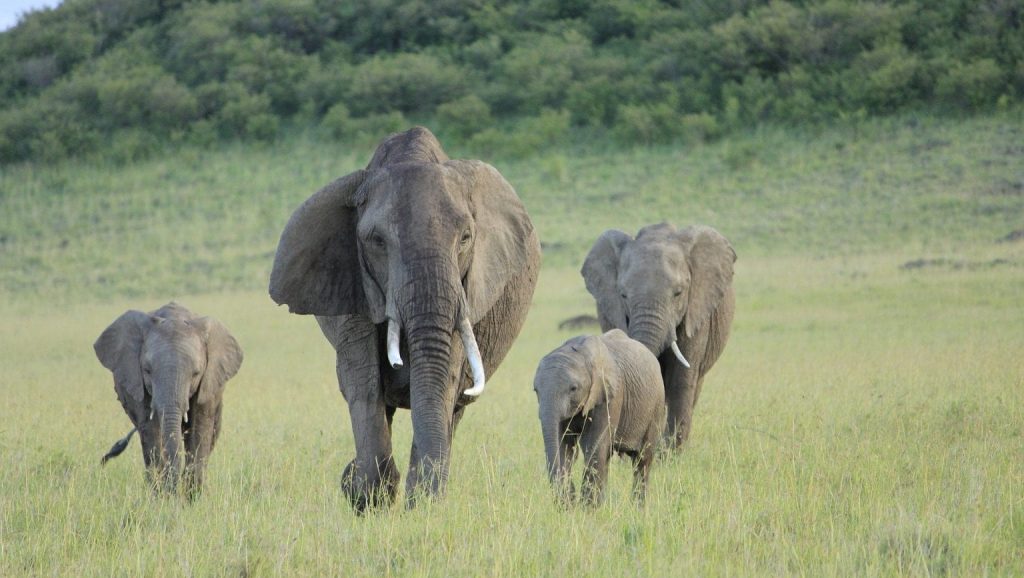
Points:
395	260
602	393
672	291
170	367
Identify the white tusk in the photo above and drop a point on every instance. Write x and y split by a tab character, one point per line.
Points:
185	416
394	355
151	412
679	355
473	355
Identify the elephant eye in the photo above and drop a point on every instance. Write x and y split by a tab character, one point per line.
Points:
677	293
623	295
377	240
466	237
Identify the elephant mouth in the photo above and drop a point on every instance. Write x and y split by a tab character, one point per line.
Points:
469	344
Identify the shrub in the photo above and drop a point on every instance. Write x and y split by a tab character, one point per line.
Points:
465	116
145	96
647	124
700	127
525	138
247	112
340	125
971	85
887	78
538	71
409	83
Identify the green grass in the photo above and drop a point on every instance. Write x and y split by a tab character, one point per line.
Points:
865	419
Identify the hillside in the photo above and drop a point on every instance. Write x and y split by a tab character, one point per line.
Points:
121	79
206	221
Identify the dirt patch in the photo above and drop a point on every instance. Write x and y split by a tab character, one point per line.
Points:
579	322
928	145
953	264
927	263
1013	236
1007	188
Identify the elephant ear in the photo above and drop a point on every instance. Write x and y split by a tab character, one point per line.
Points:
223	358
505	239
119	349
316	268
604	375
601	273
710	257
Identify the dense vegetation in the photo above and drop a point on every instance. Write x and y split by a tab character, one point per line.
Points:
121	78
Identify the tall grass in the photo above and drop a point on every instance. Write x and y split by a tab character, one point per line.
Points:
867	417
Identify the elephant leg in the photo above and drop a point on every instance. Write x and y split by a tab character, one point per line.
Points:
681	387
642	468
371	479
596	444
198	444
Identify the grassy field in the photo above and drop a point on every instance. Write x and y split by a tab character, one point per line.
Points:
867	417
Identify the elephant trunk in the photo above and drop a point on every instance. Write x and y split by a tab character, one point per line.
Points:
170	431
553	429
648	327
431	307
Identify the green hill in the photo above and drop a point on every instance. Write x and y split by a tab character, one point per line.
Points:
122	78
206	221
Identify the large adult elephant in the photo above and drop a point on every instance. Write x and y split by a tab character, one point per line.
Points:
395	260
672	291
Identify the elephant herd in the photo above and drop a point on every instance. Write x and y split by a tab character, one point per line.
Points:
395	261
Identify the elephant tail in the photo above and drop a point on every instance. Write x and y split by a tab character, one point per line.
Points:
118	447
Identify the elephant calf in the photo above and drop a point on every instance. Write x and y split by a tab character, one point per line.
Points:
604	393
170	367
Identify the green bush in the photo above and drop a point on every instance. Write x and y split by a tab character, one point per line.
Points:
886	78
538	72
244	113
971	85
340	125
526	137
145	96
465	116
404	82
647	124
336	121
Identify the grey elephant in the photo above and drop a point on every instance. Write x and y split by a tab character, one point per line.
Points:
396	260
672	291
170	367
602	393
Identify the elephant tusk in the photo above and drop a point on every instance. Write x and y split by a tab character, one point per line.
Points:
151	412
394	355
679	355
473	356
184	416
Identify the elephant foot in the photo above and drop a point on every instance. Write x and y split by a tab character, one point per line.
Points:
370	489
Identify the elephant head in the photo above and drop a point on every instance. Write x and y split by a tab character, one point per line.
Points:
163	365
662	286
570	382
422	243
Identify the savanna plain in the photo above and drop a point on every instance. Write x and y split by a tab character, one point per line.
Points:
866	418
